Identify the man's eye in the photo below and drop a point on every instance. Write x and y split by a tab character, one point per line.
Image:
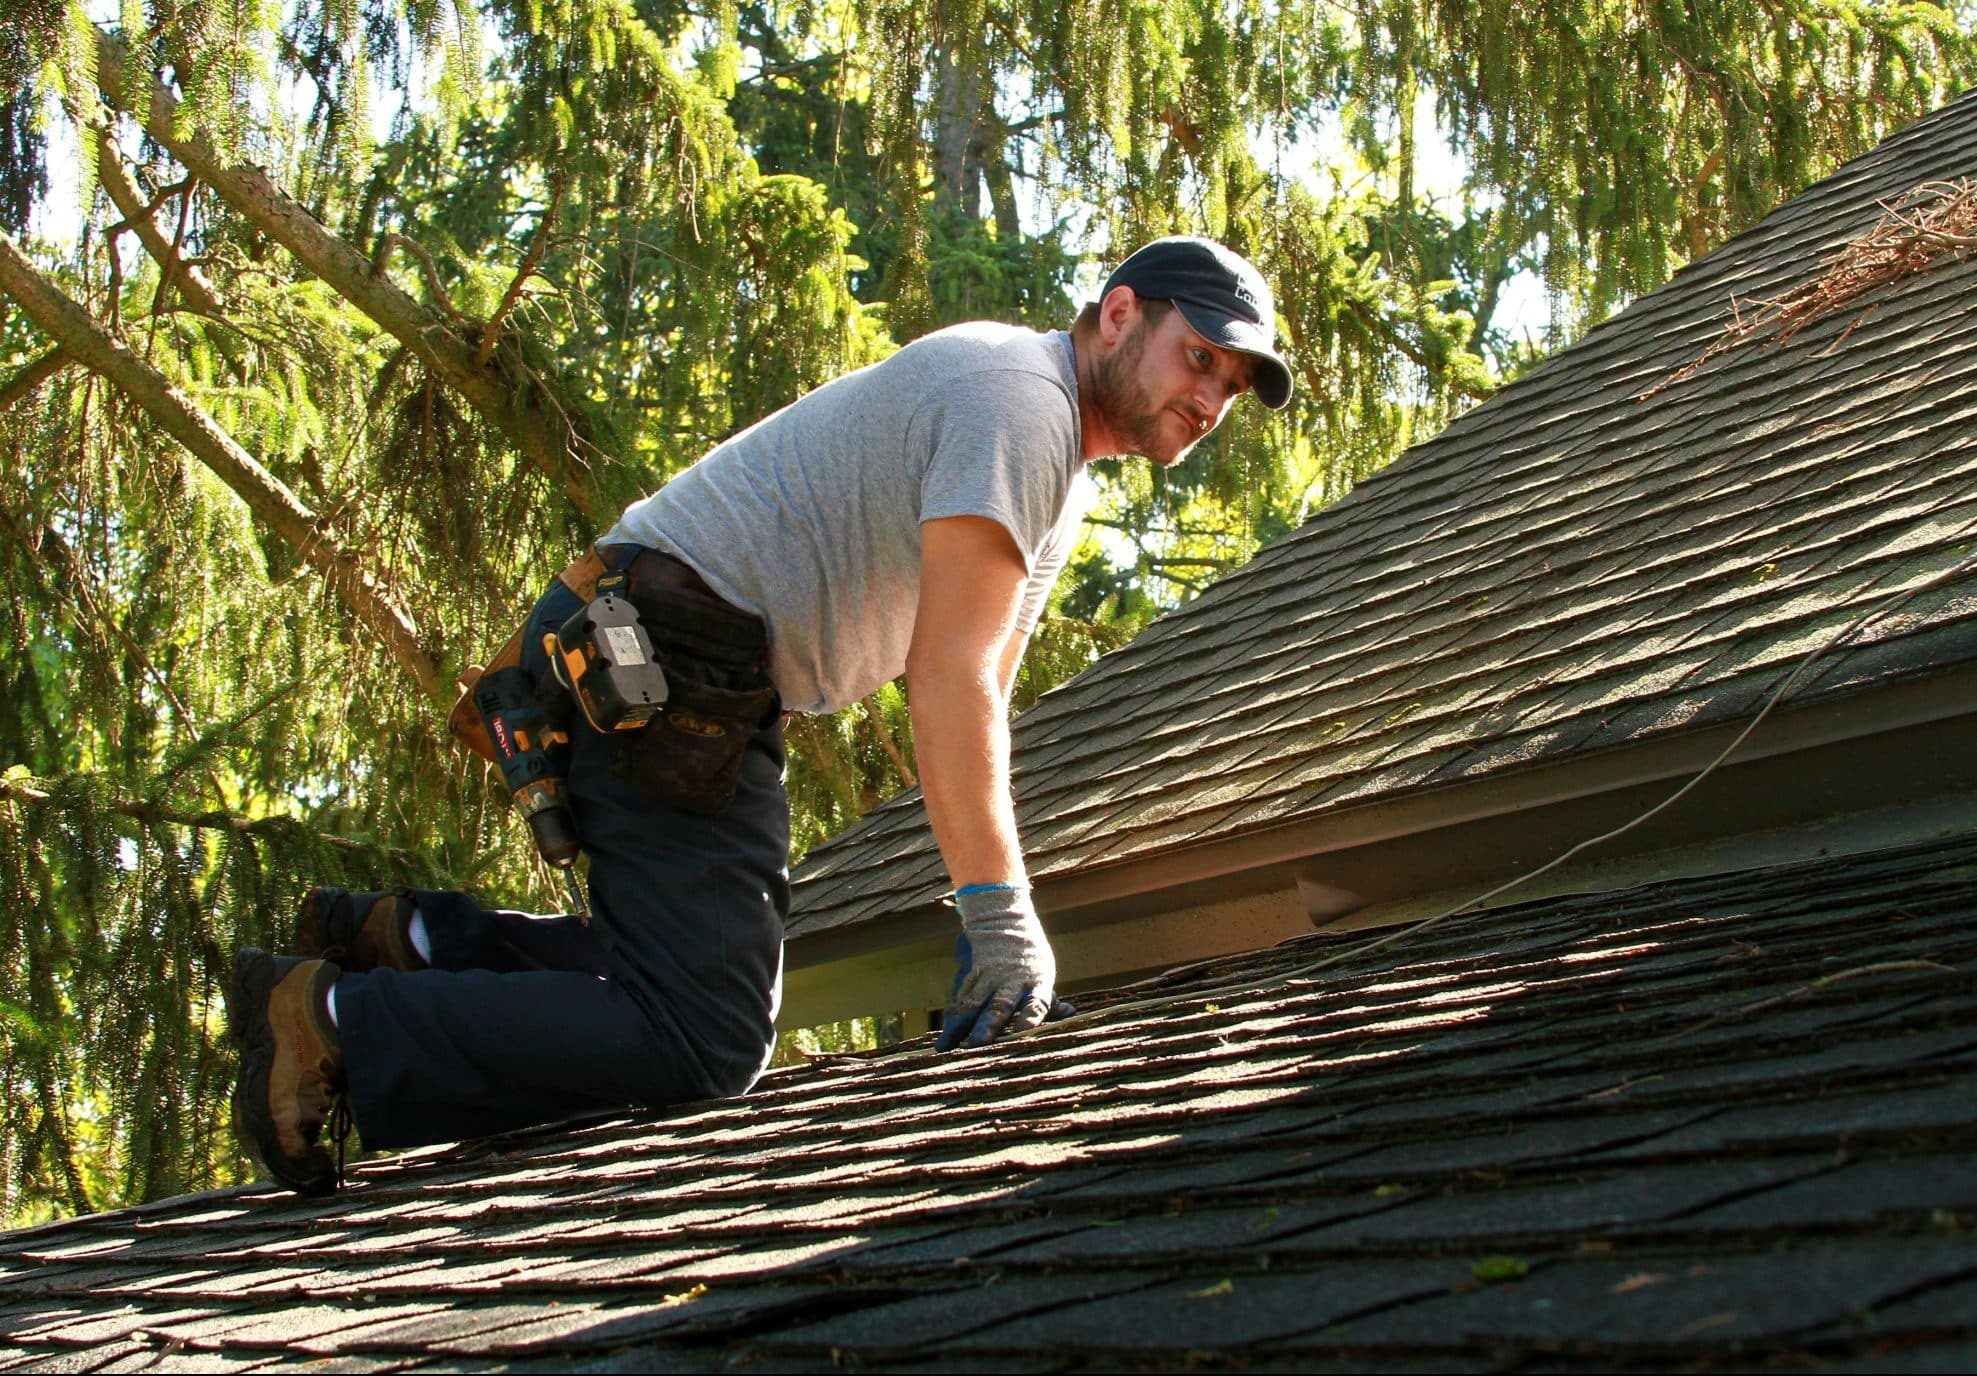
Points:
1201	358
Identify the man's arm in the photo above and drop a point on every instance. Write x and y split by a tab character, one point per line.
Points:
958	669
1012	660
971	582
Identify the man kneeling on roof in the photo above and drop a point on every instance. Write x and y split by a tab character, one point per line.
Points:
910	516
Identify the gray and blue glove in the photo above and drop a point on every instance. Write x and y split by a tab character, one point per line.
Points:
1006	976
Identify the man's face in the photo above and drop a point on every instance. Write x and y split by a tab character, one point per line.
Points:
1165	387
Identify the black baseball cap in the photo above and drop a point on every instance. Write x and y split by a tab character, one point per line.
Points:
1221	294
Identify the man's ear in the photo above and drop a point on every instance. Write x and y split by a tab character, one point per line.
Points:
1118	312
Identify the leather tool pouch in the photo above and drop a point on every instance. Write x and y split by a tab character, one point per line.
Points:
716	660
464	721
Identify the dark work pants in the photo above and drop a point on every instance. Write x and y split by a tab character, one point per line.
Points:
669	994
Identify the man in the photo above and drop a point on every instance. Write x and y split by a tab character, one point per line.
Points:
910	516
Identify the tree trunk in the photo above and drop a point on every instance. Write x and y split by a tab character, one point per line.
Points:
1001	181
541	432
82	339
957	136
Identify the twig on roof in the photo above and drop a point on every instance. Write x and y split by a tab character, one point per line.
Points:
1883	967
1922	229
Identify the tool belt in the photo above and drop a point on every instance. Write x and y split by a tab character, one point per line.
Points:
716	662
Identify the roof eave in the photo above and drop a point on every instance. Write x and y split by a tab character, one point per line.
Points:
1896	743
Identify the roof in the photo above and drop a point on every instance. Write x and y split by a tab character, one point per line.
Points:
1581	563
1706	1120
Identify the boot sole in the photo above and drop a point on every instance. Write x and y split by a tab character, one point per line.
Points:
251	1089
312	920
247	999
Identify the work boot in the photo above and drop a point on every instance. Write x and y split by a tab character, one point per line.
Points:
359	931
291	1067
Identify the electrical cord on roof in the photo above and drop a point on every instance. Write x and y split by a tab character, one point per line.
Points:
1886	607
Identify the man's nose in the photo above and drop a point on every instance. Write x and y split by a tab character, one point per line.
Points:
1214	395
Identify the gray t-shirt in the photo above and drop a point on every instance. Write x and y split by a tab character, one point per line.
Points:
811	517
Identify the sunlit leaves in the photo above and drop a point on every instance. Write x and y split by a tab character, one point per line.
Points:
1649	131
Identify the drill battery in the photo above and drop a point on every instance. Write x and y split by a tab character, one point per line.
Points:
603	658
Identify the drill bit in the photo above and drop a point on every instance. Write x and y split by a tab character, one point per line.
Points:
578	906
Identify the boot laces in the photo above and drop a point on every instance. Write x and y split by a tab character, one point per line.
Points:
340	1125
326	1097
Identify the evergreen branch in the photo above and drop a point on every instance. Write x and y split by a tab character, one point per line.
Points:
996	20
764	79
27	789
55	1124
265	495
530	261
147	208
875	718
767	39
543	435
390	242
387	375
81	602
206	742
1414	354
24	382
137	215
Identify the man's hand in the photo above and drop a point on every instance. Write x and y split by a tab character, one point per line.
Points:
1006	975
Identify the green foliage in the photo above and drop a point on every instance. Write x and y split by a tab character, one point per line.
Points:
660	222
23	180
1745	100
840	1038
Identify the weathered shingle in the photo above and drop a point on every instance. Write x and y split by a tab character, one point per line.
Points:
1706	1121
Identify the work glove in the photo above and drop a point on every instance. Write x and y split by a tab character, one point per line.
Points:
1005	974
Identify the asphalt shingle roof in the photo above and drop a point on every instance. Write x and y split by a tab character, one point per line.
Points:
1573	565
1712	1120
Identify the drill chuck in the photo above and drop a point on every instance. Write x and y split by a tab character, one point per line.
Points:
550	820
554	828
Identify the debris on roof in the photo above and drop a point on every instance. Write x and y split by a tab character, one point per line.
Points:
1706	1121
1932	225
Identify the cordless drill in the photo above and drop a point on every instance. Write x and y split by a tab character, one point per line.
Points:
602	659
533	754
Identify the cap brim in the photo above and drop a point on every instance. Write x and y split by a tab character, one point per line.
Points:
1272	377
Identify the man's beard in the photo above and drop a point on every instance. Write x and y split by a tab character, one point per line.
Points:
1118	396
